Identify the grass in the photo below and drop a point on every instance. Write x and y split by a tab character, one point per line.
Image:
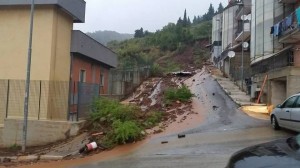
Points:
182	94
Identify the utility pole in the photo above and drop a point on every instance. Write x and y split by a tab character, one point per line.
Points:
242	67
27	79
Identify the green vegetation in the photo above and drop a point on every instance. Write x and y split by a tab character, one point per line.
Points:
178	94
122	123
173	39
14	147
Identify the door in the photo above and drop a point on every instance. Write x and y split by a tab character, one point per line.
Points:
284	114
295	115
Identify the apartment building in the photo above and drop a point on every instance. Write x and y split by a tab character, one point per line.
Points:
275	49
234	56
216	46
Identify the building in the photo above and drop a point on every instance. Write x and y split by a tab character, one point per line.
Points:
60	58
216	48
234	58
90	66
275	55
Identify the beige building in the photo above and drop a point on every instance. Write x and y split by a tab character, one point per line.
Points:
50	69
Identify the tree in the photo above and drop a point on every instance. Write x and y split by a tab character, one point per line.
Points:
185	21
179	22
139	33
189	22
220	8
195	20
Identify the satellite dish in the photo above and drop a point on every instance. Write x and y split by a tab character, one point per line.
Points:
249	17
244	17
245	45
231	54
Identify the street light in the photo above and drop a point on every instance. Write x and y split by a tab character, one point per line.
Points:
27	79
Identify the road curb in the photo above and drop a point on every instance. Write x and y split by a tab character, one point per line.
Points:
51	157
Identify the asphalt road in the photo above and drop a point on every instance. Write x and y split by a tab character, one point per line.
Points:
224	131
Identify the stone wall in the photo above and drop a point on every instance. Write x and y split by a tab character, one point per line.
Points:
40	132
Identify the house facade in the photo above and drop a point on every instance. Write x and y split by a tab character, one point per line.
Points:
234	58
90	72
270	58
60	57
274	54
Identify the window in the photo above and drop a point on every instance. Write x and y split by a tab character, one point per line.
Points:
82	75
290	102
101	79
297	103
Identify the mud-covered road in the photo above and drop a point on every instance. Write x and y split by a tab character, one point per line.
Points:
218	130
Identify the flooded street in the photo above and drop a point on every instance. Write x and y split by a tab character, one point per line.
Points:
213	132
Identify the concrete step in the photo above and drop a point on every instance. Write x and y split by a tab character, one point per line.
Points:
237	93
243	103
240	98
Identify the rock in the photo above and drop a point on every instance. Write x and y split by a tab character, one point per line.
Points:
164	142
6	160
143	133
102	119
213	94
178	102
181	136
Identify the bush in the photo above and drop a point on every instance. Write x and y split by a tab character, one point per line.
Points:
182	94
156	70
153	118
107	111
124	132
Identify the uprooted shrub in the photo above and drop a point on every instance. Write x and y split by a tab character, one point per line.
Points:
122	123
182	94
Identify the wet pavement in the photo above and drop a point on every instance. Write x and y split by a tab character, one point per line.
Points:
219	130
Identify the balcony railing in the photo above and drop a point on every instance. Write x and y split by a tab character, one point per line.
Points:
242	35
287	1
287	30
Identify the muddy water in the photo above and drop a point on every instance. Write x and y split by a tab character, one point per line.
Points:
191	121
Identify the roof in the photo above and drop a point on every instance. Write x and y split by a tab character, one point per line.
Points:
89	47
75	8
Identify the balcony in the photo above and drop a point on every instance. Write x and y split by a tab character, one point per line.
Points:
287	1
243	35
290	33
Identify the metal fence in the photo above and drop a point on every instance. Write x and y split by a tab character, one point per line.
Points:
62	100
47	99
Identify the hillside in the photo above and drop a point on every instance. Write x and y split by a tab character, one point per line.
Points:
107	36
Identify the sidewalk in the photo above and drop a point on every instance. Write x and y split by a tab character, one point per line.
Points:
239	97
57	152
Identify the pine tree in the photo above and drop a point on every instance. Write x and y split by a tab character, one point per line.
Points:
185	21
211	11
195	20
179	22
220	8
189	21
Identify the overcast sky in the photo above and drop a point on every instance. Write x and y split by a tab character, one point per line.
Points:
125	16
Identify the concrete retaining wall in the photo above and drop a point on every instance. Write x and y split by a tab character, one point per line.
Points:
39	132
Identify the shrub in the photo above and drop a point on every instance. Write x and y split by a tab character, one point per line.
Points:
182	94
124	132
107	111
153	118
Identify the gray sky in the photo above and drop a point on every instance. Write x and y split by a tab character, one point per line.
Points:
125	16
